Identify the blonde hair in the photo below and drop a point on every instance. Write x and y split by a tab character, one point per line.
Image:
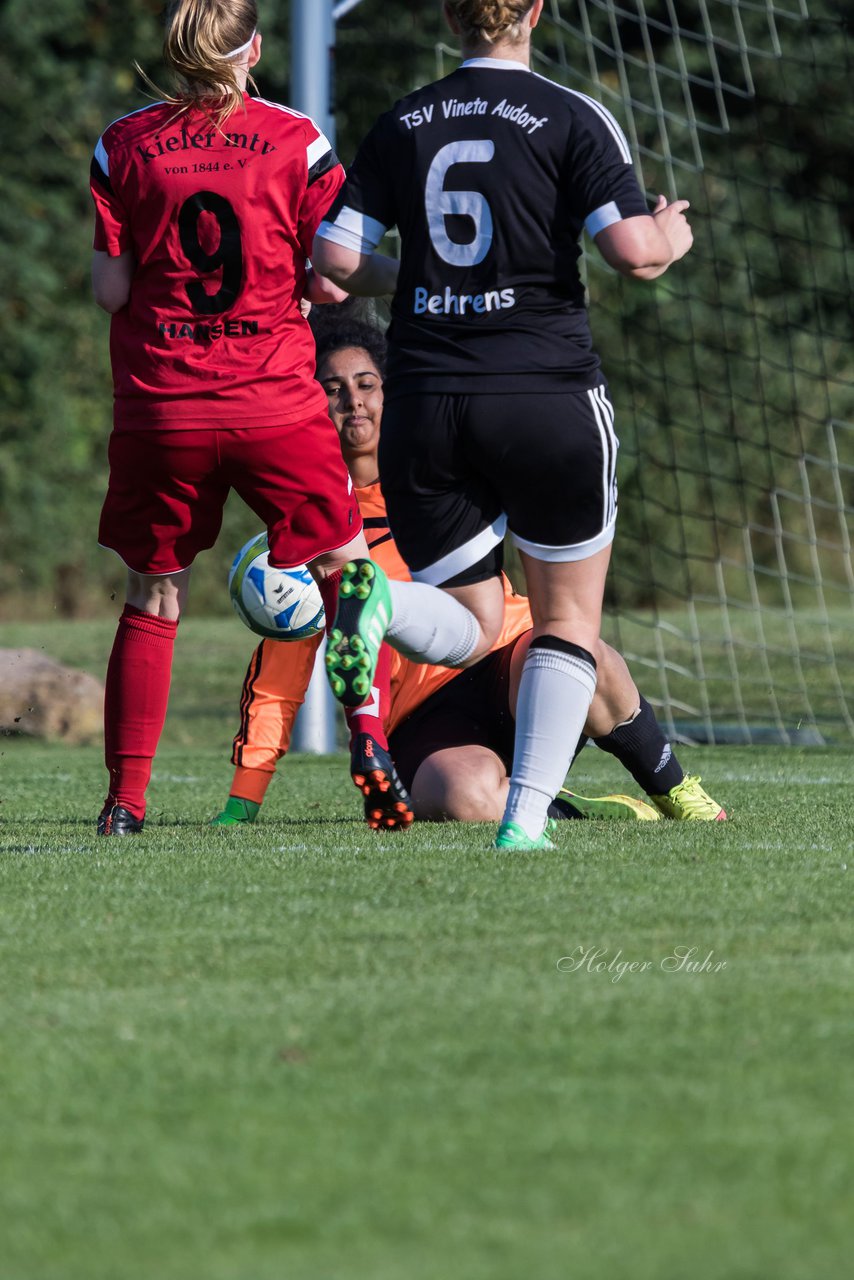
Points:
200	37
490	20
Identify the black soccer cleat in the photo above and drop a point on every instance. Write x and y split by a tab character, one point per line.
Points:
388	806
115	820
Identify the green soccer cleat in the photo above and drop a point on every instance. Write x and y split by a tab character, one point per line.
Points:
606	808
237	813
688	802
361	621
512	836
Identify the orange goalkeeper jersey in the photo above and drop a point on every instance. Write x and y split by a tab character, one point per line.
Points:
279	671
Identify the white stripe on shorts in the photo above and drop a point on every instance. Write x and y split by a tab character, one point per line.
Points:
579	551
462	557
603	416
603	412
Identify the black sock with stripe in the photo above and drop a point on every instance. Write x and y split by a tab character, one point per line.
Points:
641	747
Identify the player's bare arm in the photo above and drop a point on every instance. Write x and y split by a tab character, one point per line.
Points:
644	247
320	290
368	275
111	279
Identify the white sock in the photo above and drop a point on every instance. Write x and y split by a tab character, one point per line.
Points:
554	698
428	625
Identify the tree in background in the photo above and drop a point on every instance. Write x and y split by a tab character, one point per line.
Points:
66	70
63	68
725	375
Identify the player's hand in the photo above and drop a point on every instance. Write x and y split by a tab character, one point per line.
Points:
672	221
304	308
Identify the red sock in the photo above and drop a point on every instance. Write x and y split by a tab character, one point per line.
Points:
372	715
138	678
328	589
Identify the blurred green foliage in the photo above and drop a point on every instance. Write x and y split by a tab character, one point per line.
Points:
66	70
725	373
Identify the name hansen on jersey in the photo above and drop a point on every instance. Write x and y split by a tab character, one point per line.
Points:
490	174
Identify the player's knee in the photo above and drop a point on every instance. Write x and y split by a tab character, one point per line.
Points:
449	791
473	799
163	595
488	636
331	561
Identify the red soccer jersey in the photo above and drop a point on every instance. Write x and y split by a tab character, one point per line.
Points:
220	223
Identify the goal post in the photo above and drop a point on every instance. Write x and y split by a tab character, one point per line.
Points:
313	25
312	46
312	43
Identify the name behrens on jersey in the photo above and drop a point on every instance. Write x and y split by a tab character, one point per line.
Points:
456	304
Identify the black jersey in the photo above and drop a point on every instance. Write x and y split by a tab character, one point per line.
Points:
490	176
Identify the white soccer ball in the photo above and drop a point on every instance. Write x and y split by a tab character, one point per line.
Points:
279	604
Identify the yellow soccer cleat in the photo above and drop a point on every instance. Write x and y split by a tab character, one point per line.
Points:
688	802
607	808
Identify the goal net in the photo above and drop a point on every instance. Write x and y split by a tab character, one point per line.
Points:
732	588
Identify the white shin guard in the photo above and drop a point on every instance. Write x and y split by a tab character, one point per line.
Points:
428	625
557	687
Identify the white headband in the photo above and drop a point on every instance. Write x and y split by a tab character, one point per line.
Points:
235	53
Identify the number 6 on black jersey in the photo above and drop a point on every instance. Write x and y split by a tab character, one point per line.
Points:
441	204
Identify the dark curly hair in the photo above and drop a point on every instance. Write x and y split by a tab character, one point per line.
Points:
351	332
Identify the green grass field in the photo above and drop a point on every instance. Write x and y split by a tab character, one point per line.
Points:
308	1051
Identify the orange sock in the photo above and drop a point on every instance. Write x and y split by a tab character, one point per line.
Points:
251	784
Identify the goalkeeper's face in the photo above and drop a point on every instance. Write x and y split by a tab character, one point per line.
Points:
354	390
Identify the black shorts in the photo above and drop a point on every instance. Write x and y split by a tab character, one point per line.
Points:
458	470
473	709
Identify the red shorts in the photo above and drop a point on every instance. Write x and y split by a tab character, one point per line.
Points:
167	491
